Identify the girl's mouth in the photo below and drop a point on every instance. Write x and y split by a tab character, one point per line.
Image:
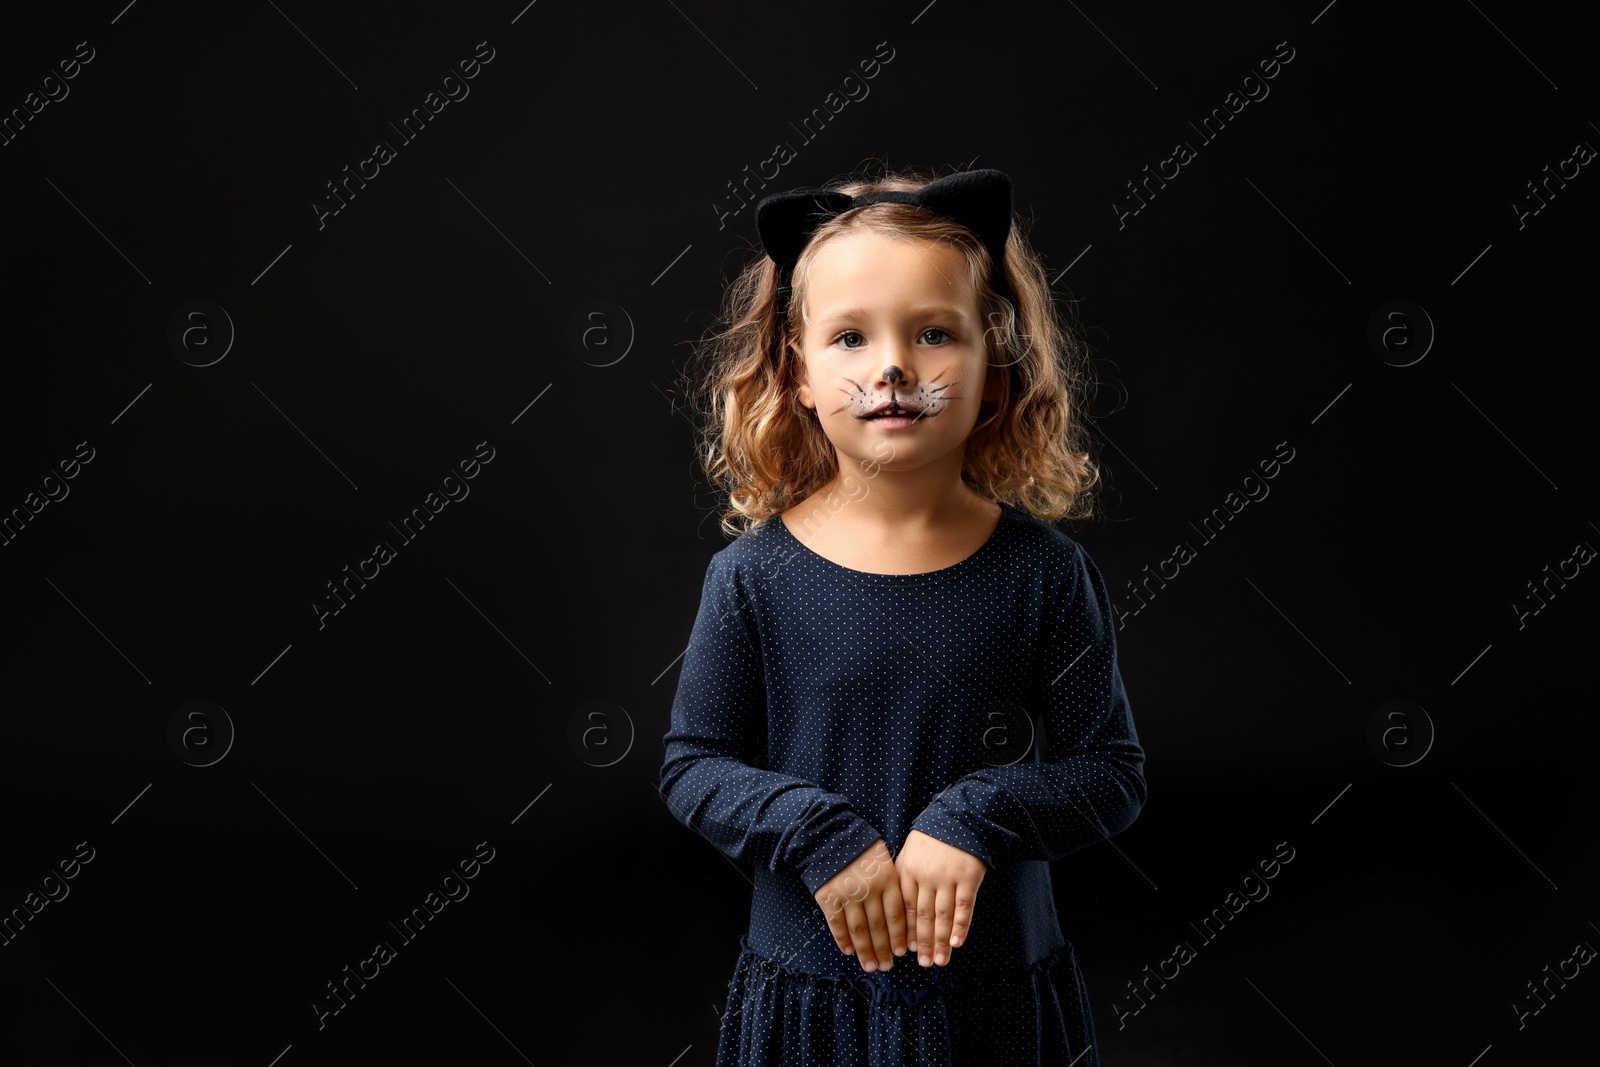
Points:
893	411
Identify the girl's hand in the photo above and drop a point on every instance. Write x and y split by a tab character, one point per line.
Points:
864	909
939	884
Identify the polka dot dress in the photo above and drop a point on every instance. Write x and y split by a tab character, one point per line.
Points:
820	708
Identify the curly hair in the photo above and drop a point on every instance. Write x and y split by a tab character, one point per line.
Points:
768	452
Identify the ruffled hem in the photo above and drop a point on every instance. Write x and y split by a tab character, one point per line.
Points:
778	1016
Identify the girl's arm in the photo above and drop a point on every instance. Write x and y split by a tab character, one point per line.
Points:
708	781
1090	784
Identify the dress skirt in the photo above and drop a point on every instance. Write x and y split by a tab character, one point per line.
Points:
777	1016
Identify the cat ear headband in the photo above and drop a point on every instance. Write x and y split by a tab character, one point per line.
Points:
980	200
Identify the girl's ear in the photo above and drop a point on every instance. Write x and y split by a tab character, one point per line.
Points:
802	390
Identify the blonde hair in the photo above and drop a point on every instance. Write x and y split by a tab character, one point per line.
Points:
767	452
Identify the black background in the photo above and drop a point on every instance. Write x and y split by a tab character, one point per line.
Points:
590	162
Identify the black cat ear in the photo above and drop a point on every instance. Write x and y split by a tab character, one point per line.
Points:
980	200
787	220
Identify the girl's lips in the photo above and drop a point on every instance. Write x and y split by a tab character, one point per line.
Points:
894	422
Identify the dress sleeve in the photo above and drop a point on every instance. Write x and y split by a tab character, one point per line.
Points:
709	778
1090	783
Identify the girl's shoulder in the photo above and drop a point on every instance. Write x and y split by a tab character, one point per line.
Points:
1046	534
1044	541
758	546
769	546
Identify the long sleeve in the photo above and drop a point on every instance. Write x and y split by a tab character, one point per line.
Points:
708	777
1090	783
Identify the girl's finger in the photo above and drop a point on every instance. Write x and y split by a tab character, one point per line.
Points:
833	911
878	931
908	899
926	900
894	913
961	922
943	913
860	936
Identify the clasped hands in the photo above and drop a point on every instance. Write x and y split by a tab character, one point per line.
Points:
876	901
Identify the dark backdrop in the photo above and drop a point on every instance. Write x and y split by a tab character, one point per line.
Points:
218	395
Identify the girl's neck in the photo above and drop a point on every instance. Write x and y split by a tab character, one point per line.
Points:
888	503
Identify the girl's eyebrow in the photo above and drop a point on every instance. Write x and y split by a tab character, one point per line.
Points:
916	312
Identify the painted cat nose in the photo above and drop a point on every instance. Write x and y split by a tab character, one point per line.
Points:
893	375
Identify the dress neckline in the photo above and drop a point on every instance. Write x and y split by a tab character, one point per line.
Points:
1007	513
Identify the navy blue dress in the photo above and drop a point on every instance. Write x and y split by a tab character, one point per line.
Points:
820	708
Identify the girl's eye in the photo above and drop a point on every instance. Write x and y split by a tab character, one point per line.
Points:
945	334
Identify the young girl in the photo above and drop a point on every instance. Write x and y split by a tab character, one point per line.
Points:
902	680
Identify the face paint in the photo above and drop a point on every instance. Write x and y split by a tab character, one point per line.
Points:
926	401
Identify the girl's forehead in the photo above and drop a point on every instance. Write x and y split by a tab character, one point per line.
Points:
863	263
866	242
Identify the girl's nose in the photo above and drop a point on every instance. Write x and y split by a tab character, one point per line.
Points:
893	375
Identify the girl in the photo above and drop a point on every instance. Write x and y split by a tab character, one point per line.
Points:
902	680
